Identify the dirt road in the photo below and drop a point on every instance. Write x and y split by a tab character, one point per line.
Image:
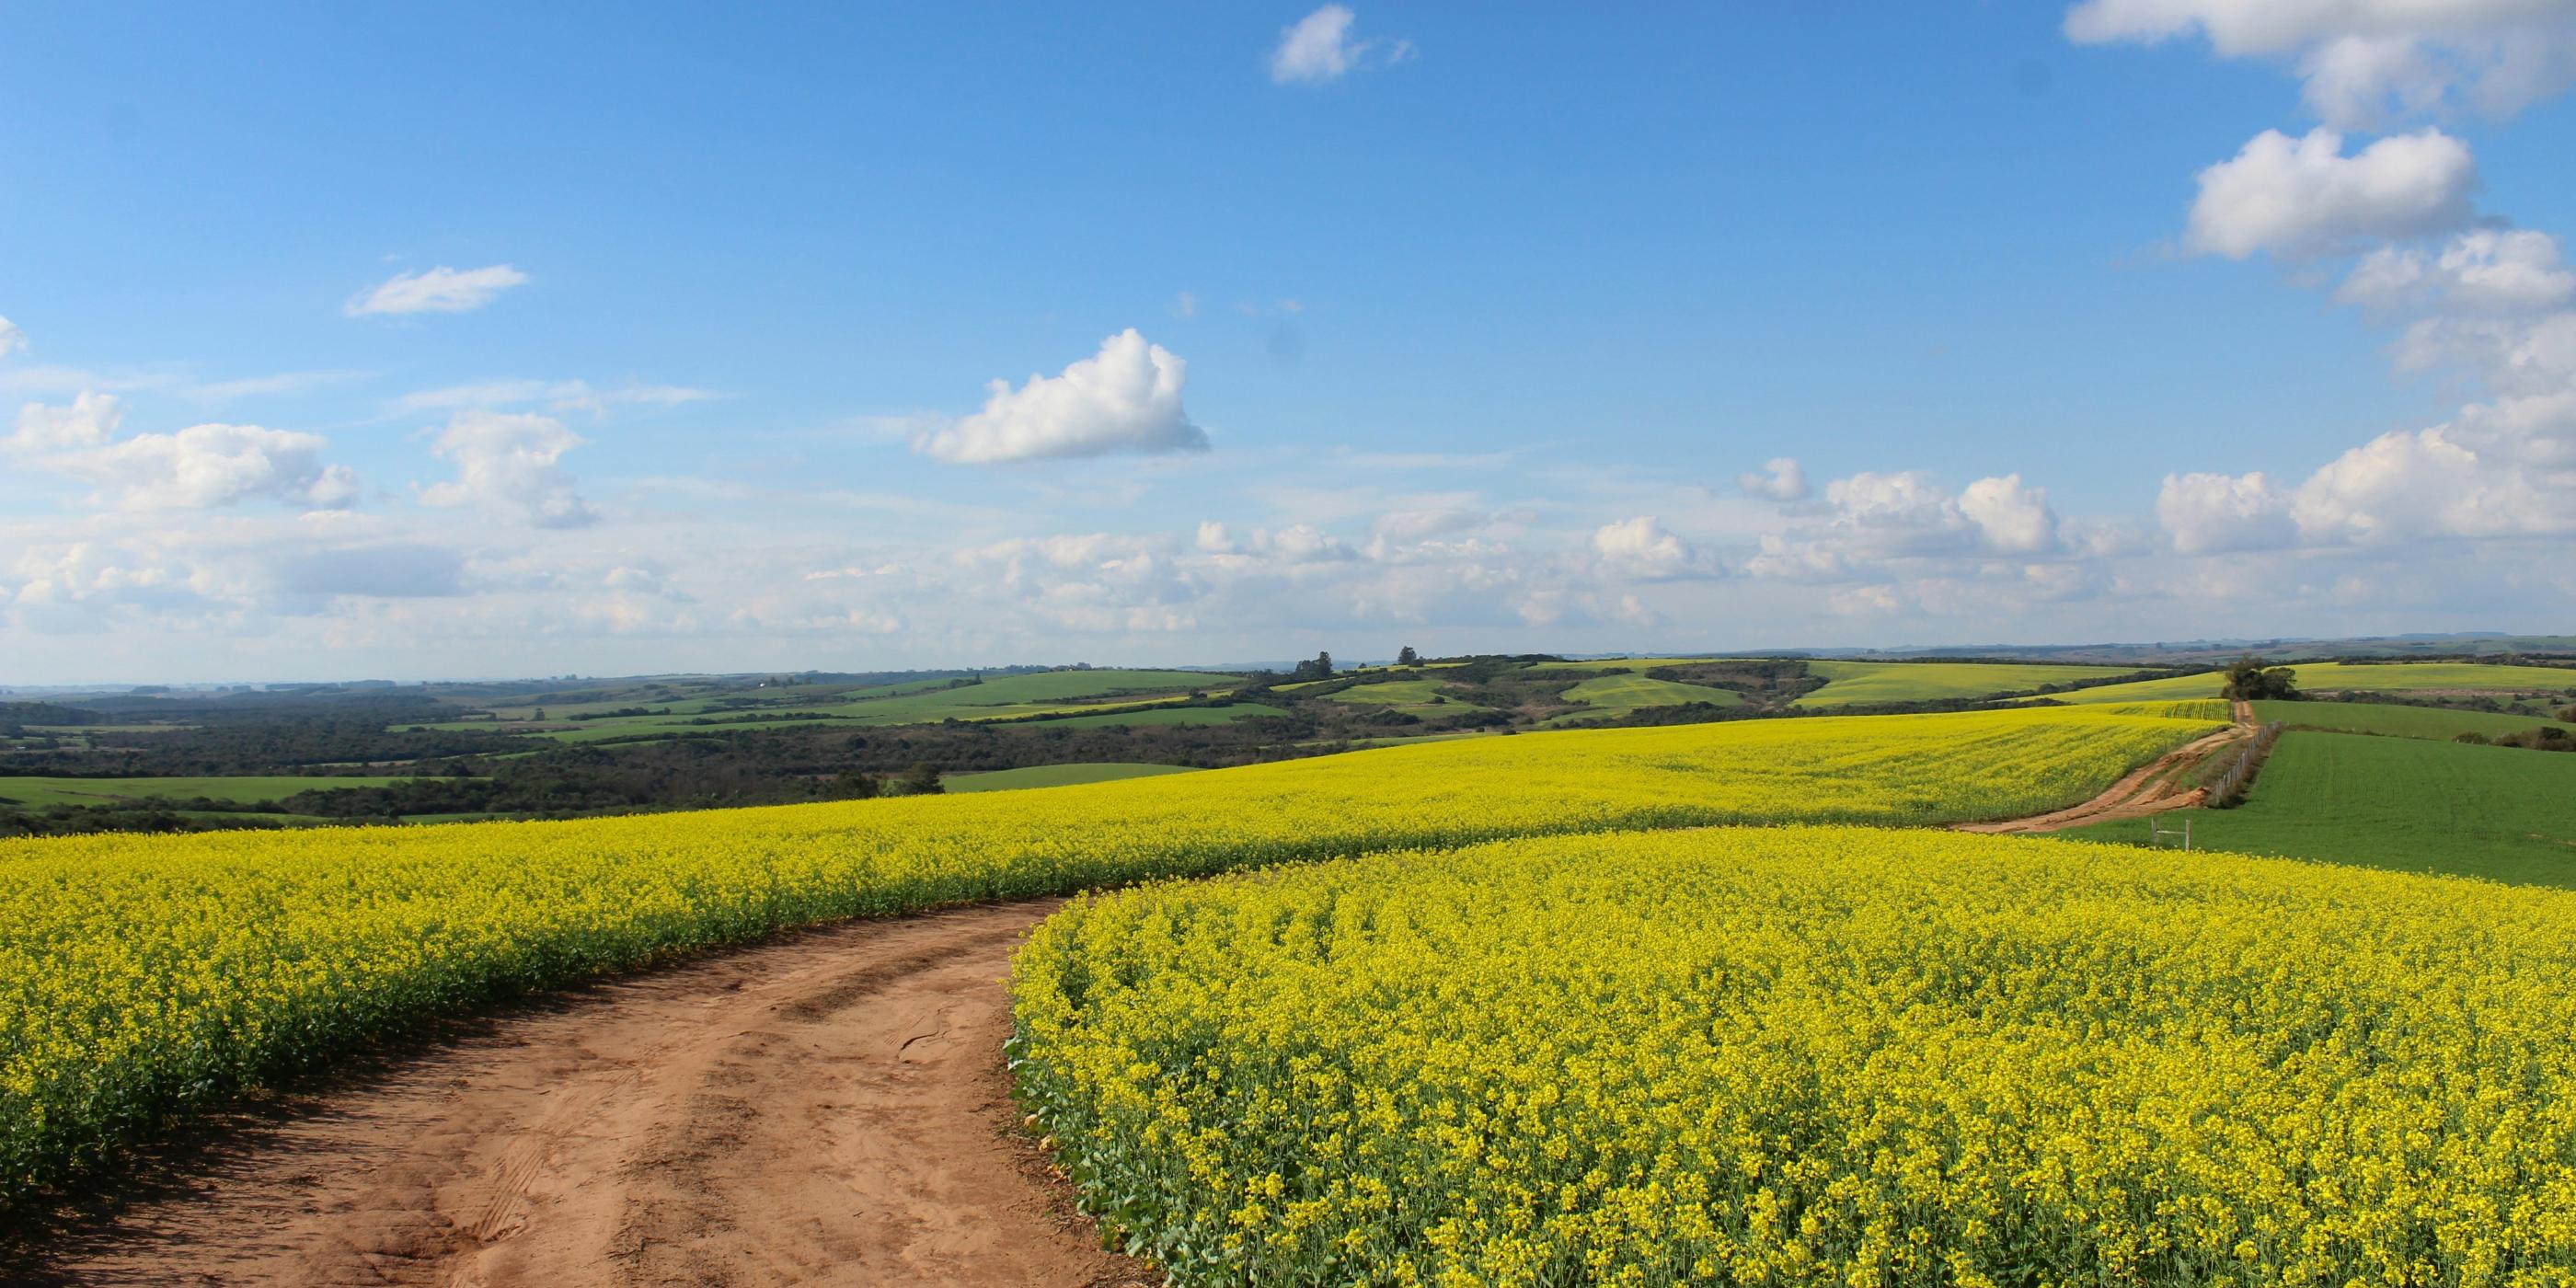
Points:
2152	788
826	1108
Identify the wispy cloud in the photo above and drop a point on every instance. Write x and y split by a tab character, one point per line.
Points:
436	290
1319	48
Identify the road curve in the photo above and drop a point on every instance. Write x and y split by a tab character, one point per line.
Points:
2151	788
825	1108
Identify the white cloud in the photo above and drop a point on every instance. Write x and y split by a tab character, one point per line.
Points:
1780	480
1126	398
2302	198
2367	62
2218	513
2485	271
1318	48
11	338
507	460
556	395
2010	518
199	467
437	290
1642	547
1872	519
88	422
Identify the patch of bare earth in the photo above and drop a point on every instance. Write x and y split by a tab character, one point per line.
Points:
827	1108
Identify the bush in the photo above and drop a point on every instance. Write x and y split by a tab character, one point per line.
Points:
2472	737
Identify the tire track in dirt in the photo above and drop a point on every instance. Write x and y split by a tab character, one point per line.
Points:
828	1107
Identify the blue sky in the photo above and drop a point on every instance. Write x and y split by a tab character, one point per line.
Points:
1452	325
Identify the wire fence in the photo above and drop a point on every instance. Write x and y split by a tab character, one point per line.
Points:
2233	782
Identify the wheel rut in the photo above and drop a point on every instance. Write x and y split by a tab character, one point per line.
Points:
825	1108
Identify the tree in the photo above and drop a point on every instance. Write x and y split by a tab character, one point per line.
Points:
858	785
1407	657
1318	667
2249	679
920	780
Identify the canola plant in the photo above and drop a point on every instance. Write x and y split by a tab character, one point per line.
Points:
1815	1056
143	975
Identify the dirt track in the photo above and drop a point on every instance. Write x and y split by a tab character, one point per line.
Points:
825	1108
2151	788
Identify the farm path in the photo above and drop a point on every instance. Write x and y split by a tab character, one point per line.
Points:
828	1107
2151	788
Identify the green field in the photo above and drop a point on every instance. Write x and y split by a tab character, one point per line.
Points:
677	712
1068	775
1168	716
2396	721
2406	804
1640	665
1405	694
1035	694
1615	693
2337	677
1853	683
247	790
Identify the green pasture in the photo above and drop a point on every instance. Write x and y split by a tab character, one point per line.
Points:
244	789
1067	775
2338	677
1163	716
1641	665
1614	693
2407	804
2395	721
1854	683
1405	695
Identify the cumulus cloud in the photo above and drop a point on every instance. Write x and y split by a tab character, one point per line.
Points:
1126	398
88	422
2009	517
2218	513
1641	547
1871	519
2482	272
199	467
436	290
508	461
1319	48
2302	198
1779	480
2366	62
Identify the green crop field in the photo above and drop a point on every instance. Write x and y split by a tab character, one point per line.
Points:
1017	695
1615	693
2421	677
2337	677
1853	683
1068	775
1401	693
2397	721
1640	665
2400	803
247	790
1168	716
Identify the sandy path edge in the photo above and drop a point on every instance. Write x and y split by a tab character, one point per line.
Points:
824	1107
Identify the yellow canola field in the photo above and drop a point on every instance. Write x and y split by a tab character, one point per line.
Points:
1815	1056
140	975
